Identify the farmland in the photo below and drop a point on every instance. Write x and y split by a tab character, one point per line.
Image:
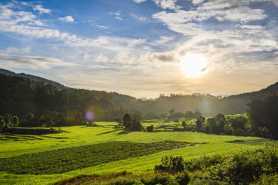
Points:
105	148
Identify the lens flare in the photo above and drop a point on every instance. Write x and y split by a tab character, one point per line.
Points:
194	64
89	116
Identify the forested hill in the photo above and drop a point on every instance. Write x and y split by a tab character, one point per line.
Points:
23	95
33	79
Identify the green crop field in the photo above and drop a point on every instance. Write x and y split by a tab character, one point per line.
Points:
80	150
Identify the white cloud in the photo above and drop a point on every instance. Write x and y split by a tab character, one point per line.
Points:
34	62
226	40
128	58
101	27
117	15
9	16
164	4
41	9
196	2
167	4
69	19
139	18
139	1
28	24
242	14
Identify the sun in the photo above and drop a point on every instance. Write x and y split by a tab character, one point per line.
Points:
194	64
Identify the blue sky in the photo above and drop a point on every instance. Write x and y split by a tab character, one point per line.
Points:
136	47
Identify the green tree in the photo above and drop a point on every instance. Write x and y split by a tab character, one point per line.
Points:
199	123
15	121
216	124
183	124
220	123
2	122
132	123
150	128
264	116
8	121
127	120
136	123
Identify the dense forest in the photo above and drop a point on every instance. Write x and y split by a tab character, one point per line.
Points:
37	100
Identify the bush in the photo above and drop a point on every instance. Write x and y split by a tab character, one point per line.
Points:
240	169
170	165
246	168
183	179
160	180
126	182
150	128
203	163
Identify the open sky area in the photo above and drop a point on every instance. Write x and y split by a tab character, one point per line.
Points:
144	48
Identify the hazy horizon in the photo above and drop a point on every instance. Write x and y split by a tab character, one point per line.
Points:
144	48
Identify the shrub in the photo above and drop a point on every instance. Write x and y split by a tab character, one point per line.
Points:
203	163
183	179
160	179
150	128
246	168
126	182
170	165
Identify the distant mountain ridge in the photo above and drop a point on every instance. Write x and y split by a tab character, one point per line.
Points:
23	93
32	78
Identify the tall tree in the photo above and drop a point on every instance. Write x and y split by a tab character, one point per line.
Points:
264	116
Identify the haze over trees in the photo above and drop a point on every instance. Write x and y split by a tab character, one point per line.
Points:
38	101
264	116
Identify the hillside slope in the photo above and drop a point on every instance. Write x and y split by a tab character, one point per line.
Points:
23	94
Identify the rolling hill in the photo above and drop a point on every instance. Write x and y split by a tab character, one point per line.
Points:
23	94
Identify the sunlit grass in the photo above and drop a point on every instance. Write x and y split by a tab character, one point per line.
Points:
107	132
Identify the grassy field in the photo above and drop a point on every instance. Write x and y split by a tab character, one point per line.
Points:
75	139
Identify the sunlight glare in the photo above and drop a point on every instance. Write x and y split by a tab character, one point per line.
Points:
194	64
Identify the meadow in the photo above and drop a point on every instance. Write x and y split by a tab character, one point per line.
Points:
105	148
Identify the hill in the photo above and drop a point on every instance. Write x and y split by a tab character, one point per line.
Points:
24	94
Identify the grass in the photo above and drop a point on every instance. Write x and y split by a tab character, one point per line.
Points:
67	159
244	168
77	136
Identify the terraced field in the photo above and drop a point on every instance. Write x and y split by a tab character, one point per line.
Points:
104	149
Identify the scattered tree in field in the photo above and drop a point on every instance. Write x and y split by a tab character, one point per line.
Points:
2	122
216	125
237	125
132	123
220	122
183	124
136	123
150	128
127	120
199	123
9	121
15	121
264	117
